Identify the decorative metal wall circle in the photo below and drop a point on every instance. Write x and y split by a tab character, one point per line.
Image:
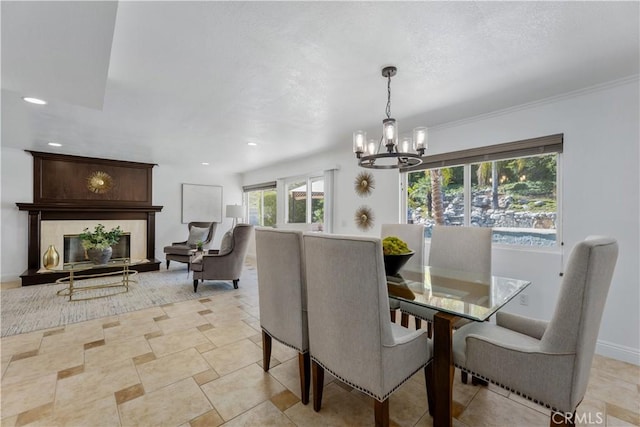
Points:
364	218
99	182
364	184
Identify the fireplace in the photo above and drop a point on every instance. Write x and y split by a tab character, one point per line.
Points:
67	198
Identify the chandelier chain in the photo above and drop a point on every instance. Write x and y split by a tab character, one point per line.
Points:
388	109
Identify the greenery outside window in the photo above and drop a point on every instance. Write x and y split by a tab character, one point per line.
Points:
261	204
515	196
305	201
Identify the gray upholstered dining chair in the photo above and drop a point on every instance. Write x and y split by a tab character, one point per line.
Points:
283	297
226	263
413	236
547	362
182	251
350	333
456	248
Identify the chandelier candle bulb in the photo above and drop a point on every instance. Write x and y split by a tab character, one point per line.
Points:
359	138
420	139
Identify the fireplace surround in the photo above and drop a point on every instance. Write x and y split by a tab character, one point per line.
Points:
73	192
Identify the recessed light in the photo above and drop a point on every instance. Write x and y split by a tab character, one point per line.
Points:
34	100
205	164
55	144
251	144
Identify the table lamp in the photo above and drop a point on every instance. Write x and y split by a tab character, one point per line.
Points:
235	212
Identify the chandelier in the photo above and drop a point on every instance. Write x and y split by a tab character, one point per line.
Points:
407	153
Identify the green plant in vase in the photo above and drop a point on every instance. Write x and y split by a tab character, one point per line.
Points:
98	242
199	245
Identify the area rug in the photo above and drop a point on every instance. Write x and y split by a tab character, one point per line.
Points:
31	308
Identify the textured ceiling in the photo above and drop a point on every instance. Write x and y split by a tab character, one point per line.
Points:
186	82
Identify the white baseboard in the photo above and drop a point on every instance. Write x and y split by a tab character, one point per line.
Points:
618	352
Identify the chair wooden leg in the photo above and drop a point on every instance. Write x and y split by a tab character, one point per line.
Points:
463	377
418	323
430	329
404	320
317	375
477	381
266	351
195	285
393	315
168	264
381	410
304	366
563	419
235	283
428	378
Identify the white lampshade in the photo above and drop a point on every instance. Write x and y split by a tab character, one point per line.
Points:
235	211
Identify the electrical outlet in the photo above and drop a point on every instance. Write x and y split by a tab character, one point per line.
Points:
524	299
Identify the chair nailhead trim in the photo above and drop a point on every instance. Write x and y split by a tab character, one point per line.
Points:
285	343
539	402
365	391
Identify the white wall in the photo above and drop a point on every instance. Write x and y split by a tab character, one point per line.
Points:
599	195
17	186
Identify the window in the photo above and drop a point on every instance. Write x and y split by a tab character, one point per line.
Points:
260	201
305	201
514	192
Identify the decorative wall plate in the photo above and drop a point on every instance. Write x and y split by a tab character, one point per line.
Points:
99	182
364	218
364	184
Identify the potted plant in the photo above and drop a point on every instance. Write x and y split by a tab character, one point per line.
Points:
98	242
199	245
396	254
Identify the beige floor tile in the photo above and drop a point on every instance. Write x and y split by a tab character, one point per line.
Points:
77	336
17	344
141	314
9	421
241	390
177	341
230	332
28	394
489	408
131	328
591	412
339	408
181	322
529	403
408	404
208	419
616	422
171	368
265	414
101	412
169	406
616	368
184	307
610	389
284	400
226	315
98	383
287	374
115	351
46	363
623	414
463	393
233	356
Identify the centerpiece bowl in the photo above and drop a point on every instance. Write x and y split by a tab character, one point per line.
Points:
393	263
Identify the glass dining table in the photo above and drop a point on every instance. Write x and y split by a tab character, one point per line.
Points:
454	295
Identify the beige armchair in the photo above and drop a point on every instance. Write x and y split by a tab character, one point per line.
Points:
350	333
547	362
226	263
282	288
182	251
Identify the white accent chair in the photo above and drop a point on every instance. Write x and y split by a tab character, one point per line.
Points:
413	236
456	248
547	362
350	333
283	297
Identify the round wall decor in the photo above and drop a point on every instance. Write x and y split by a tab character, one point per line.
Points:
364	218
364	184
99	182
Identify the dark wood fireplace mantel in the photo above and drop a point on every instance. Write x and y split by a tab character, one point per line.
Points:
63	191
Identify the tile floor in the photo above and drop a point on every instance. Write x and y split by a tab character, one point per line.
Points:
198	363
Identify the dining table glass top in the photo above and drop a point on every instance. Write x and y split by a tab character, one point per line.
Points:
465	294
